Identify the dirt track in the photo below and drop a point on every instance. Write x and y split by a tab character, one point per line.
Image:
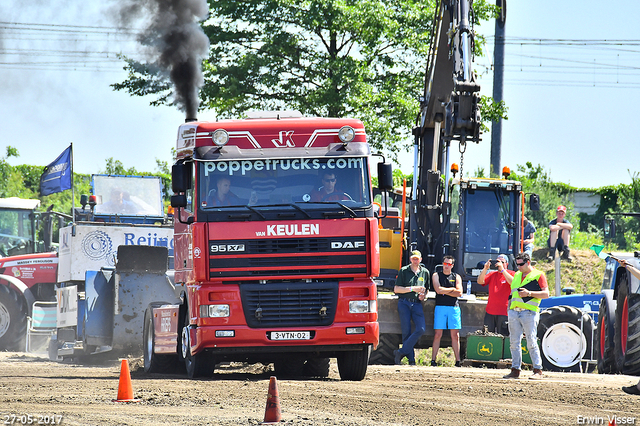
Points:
237	395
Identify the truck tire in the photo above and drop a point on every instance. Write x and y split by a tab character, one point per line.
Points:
316	367
13	320
198	365
627	331
352	365
562	342
604	335
155	363
383	355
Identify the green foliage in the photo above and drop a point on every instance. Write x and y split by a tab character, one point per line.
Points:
535	180
23	181
362	59
491	111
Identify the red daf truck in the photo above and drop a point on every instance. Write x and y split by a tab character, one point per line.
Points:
276	244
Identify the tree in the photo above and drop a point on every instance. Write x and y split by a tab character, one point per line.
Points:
363	59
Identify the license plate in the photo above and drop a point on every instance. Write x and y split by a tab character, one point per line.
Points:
290	335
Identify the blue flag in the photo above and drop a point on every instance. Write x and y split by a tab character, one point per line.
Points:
57	175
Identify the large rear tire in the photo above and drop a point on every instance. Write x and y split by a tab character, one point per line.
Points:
13	320
155	363
563	342
605	334
352	365
383	354
627	335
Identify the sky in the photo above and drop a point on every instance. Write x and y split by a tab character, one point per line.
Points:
571	84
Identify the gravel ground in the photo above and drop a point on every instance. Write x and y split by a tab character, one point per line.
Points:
237	394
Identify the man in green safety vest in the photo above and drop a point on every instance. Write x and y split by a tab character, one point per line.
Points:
528	288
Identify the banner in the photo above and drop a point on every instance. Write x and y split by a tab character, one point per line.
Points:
57	176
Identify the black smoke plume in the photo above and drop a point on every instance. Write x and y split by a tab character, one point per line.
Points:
175	42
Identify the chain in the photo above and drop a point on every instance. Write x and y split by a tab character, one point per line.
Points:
462	148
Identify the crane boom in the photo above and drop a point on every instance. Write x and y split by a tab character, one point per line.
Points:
449	111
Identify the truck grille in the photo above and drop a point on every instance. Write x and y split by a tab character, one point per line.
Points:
288	257
289	305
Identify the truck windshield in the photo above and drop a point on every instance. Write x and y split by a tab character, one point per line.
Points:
128	195
489	230
284	181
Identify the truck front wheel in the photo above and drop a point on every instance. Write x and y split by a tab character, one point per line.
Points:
565	334
197	365
13	320
352	365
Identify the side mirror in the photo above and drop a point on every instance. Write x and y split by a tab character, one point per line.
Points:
534	202
178	201
609	228
180	177
385	177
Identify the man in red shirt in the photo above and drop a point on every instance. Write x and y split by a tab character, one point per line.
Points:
495	317
328	190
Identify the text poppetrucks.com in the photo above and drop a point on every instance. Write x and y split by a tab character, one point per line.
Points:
607	420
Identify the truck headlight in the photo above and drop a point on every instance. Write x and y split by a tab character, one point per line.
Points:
362	306
214	311
346	134
220	137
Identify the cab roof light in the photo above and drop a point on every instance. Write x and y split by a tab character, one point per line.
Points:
346	134
454	169
506	172
220	137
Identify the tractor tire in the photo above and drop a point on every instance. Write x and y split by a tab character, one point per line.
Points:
627	331
155	363
198	365
13	320
352	365
562	343
316	367
605	334
632	355
383	355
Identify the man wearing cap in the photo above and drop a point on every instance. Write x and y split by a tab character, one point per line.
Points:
559	235
411	286
495	317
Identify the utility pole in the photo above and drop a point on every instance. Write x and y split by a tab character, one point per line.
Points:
498	77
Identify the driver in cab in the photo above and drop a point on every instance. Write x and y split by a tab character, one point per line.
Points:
328	191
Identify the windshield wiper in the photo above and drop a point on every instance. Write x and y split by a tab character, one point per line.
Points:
257	212
300	209
351	212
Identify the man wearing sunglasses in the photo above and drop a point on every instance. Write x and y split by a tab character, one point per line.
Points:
528	288
411	286
328	191
495	317
446	316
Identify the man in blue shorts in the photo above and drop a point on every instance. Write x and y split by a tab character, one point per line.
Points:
448	287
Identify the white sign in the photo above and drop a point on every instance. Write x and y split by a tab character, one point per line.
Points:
67	312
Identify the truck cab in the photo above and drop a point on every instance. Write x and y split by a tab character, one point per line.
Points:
276	244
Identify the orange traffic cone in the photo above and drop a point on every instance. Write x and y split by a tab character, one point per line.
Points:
125	391
272	413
